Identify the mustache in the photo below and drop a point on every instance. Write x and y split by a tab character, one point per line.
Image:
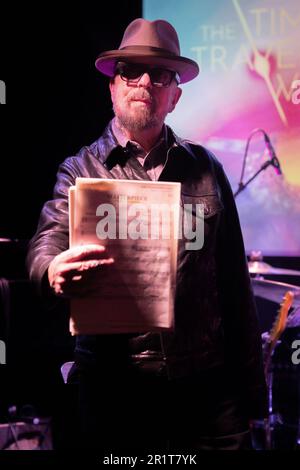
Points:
142	95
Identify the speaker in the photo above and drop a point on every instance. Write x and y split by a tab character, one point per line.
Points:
35	435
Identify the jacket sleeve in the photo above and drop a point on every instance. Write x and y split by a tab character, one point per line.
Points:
52	235
243	343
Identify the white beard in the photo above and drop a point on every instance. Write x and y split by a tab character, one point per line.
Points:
143	119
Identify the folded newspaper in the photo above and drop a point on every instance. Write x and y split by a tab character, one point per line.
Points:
138	223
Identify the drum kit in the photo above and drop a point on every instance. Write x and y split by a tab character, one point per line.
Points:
281	430
275	290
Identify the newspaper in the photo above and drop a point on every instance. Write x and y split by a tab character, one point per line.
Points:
138	223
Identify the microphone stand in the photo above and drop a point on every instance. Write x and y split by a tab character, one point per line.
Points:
242	185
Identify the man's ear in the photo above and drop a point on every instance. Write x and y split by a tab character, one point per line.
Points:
112	89
111	83
175	99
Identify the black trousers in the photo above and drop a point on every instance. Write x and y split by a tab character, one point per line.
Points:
144	413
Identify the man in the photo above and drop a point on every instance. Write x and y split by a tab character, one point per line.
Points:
201	384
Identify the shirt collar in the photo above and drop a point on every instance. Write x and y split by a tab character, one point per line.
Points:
122	139
108	143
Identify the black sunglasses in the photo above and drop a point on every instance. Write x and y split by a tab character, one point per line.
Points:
131	73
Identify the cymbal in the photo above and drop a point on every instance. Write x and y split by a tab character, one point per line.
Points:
260	267
275	291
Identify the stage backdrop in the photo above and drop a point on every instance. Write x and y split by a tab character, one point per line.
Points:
249	56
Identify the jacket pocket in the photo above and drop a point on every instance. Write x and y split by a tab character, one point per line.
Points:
199	219
211	203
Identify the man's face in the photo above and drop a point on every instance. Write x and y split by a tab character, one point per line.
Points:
141	106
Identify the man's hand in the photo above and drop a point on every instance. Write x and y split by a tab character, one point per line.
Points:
71	272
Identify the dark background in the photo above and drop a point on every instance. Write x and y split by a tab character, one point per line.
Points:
56	99
56	103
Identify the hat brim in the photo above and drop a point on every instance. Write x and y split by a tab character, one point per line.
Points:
186	68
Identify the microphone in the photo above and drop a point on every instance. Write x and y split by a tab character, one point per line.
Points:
272	154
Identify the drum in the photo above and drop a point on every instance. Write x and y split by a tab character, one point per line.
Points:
22	435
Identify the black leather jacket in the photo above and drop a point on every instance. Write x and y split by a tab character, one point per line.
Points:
215	315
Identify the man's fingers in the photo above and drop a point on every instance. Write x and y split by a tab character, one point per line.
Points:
79	266
76	281
78	253
74	267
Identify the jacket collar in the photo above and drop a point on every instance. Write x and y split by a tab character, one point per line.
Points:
109	148
187	162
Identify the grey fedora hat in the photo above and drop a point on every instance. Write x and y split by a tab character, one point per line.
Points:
152	43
